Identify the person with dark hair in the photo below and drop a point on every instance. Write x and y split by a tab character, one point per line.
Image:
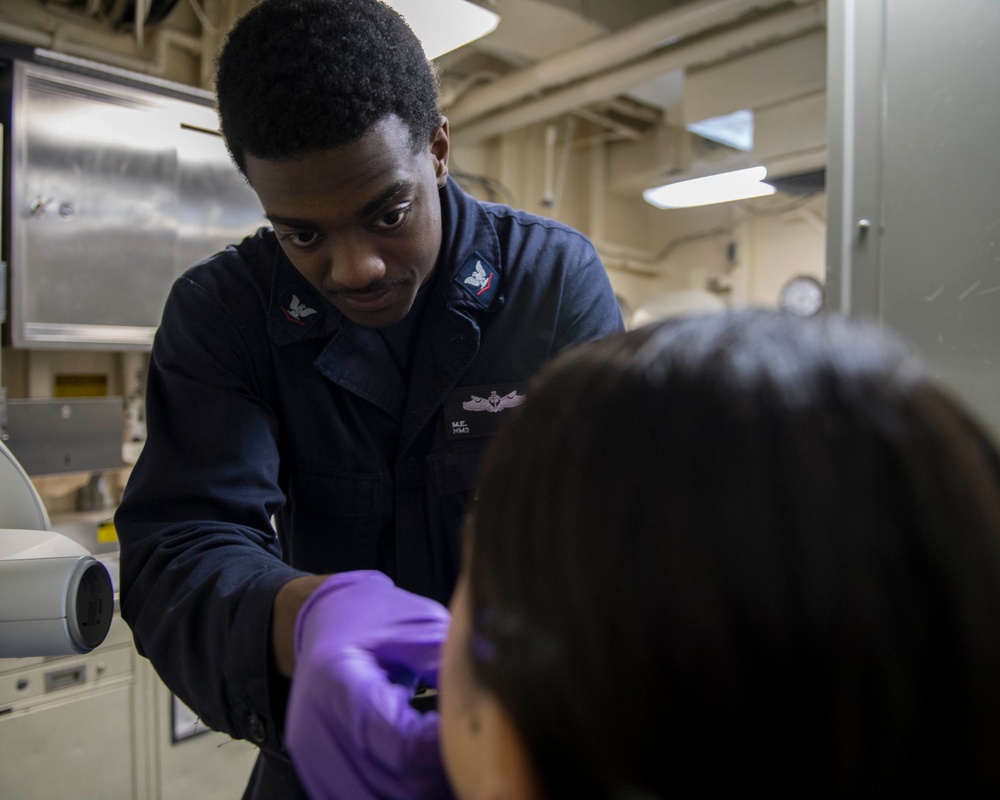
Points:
737	552
319	397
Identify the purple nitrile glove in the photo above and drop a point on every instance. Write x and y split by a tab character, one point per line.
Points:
361	647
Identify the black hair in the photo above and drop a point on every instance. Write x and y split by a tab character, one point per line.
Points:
743	551
296	76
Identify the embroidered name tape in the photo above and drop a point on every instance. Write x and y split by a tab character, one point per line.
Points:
479	280
480	410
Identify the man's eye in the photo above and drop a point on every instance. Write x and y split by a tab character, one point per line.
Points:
392	219
300	238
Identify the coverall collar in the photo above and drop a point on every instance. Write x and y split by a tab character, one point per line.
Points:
468	282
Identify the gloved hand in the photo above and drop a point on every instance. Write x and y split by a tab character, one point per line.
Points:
361	647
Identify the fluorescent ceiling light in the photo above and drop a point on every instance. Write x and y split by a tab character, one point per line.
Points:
444	25
723	188
735	130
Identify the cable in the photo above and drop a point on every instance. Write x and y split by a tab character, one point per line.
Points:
491	186
747	207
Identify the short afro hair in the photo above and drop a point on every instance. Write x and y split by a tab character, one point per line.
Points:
296	76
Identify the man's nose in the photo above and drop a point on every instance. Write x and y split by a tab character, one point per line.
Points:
352	265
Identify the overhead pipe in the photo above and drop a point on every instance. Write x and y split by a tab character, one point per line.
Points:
779	27
602	54
22	34
60	34
156	67
549	193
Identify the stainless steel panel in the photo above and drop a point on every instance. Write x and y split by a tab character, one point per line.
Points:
54	436
217	207
114	192
94	202
42	334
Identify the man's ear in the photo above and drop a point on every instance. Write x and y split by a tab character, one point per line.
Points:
440	149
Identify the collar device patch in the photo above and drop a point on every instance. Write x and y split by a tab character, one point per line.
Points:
296	316
479	280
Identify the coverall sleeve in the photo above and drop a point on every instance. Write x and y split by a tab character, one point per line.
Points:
588	306
200	561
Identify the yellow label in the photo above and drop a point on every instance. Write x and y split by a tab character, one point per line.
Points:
106	533
81	386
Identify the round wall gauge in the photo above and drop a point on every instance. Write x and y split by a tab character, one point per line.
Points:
802	295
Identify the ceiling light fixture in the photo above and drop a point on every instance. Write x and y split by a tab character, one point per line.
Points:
723	188
735	129
445	25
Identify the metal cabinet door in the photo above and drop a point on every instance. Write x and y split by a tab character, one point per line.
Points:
74	747
93	209
914	181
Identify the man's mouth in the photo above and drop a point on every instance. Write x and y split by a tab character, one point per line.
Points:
375	297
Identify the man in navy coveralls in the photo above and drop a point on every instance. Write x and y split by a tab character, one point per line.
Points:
319	395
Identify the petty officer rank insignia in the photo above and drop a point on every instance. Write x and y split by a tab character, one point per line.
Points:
474	411
479	280
295	316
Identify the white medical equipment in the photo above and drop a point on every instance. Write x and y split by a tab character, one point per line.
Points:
55	598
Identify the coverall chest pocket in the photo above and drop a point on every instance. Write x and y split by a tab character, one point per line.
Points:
338	519
453	478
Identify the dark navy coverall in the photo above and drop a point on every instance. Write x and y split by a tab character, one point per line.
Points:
264	401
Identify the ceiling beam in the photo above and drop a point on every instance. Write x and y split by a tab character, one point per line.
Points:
602	54
778	27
